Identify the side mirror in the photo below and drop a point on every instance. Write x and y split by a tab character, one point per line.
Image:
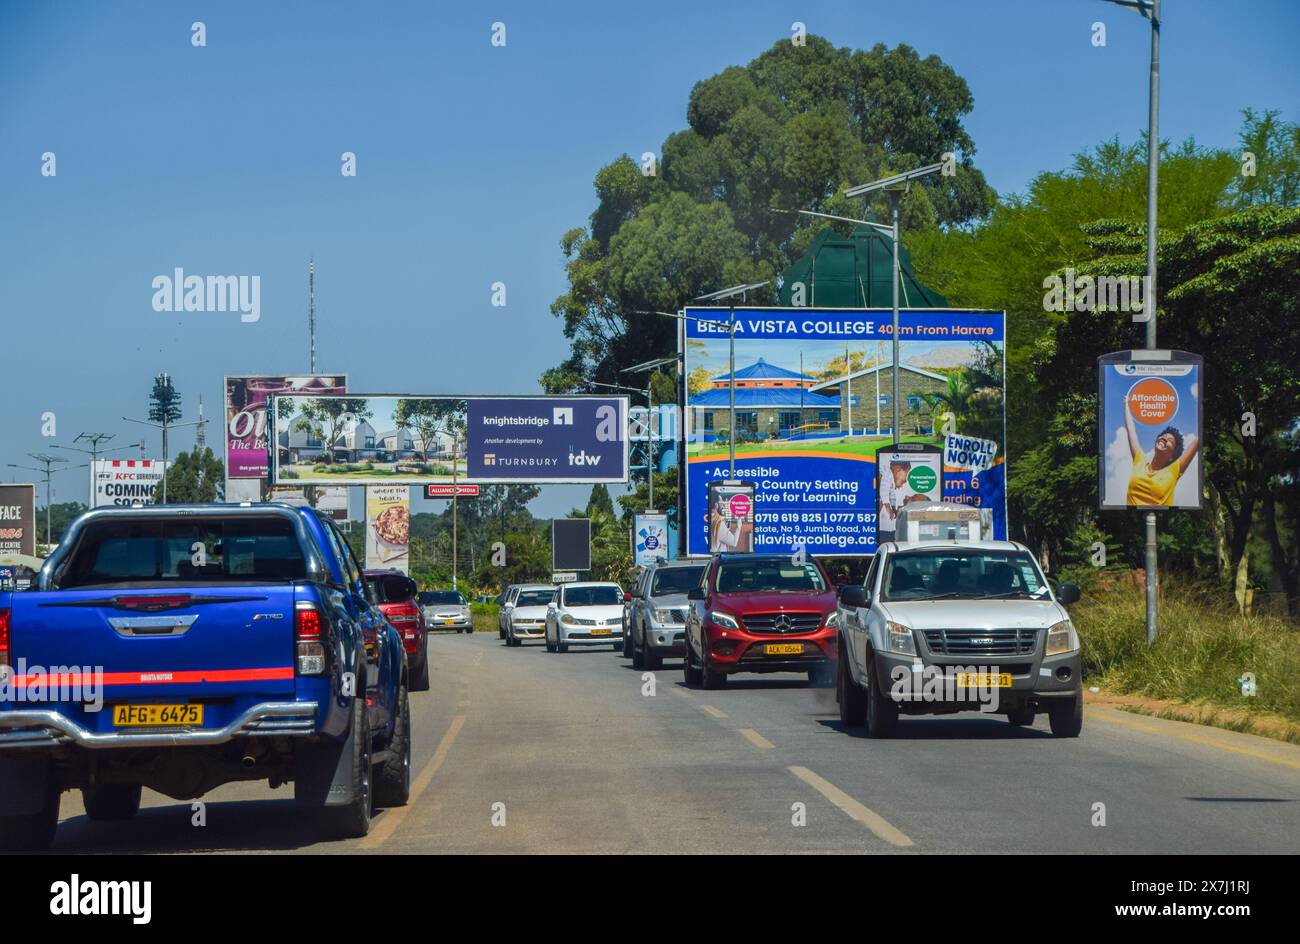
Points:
695	593
854	595
1067	593
627	597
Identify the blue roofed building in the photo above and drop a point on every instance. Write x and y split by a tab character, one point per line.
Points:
770	401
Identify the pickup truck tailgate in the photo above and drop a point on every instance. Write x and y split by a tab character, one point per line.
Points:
182	644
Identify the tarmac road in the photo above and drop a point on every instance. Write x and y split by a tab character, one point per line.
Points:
521	751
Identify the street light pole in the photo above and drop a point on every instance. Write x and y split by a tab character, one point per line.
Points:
48	462
1151	10
94	452
895	186
164	426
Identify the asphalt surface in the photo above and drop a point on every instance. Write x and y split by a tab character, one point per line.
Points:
521	751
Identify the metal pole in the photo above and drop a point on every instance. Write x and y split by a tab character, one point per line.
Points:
682	420
164	468
894	197
731	386
455	490
49	500
1153	168
650	461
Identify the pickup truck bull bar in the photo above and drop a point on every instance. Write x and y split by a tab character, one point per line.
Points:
51	729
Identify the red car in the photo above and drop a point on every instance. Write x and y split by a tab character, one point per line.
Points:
394	593
760	613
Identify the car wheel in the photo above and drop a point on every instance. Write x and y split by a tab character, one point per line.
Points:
420	677
352	821
550	646
32	832
638	652
1021	716
882	712
649	658
111	801
393	777
501	632
690	674
821	676
1066	717
853	701
629	650
711	678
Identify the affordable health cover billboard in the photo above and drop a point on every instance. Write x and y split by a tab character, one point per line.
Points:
812	403
1149	429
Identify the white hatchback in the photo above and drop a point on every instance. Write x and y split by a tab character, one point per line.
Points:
585	614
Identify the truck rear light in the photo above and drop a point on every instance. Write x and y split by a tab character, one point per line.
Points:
309	649
4	642
153	603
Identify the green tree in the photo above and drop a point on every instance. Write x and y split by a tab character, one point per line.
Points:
430	417
193	478
327	417
790	130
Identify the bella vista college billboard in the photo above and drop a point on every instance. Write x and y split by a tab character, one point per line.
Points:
812	393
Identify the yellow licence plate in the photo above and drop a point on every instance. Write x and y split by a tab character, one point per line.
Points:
156	715
783	649
600	632
984	679
448	622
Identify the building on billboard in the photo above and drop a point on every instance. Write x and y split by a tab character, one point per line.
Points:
125	481
866	397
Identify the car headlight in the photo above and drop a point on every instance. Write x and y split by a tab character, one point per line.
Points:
665	616
568	620
898	638
833	620
1061	638
723	620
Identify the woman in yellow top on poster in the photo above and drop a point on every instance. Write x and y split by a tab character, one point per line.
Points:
1154	477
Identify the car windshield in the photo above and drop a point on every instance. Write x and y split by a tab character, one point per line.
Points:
940	574
441	598
193	550
534	597
772	574
592	596
676	580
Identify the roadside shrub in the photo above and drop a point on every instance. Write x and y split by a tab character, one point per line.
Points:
1203	647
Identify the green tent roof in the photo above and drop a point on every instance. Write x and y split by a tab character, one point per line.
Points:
853	272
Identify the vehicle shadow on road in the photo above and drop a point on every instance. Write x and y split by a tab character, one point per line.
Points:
967	728
232	826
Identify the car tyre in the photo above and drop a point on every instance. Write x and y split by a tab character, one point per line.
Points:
1021	717
852	699
629	647
638	652
882	712
1066	717
550	646
32	832
711	678
649	658
352	821
420	677
690	673
111	801
393	777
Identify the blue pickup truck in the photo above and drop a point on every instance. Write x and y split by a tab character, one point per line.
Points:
182	647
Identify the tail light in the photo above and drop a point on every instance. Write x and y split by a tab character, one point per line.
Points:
5	661
405	618
307	640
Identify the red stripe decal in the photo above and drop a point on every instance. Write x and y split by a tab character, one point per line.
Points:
83	679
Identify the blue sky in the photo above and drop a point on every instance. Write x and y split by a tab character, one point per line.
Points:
472	161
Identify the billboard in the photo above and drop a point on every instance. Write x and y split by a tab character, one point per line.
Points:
388	527
418	440
905	473
649	538
731	517
246	422
17	520
331	499
570	544
1149	430
813	392
125	481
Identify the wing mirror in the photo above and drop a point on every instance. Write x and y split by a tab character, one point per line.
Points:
627	597
695	593
1067	593
854	595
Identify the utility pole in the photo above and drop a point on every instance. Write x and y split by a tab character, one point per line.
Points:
455	492
311	315
730	294
95	440
162	417
47	461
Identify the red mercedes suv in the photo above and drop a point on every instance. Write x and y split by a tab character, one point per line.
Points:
394	594
760	613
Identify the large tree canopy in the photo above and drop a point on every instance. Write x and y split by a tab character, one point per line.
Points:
791	130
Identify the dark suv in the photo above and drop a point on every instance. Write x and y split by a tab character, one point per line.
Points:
760	613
